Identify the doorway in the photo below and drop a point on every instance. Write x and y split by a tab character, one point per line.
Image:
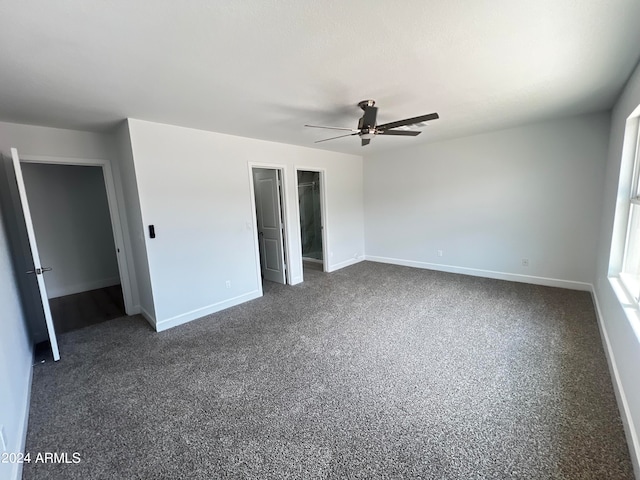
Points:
30	271
310	202
70	213
270	222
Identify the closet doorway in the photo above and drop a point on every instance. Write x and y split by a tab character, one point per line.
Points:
43	211
311	208
70	213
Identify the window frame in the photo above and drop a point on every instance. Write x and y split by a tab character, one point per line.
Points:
630	283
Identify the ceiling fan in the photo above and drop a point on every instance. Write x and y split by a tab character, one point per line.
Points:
367	128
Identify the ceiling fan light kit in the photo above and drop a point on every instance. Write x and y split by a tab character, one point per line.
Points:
367	128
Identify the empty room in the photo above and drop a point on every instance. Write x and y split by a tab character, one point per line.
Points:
320	239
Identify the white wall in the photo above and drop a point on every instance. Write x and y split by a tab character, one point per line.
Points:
133	228
194	186
16	357
621	328
71	219
40	141
55	142
33	140
15	348
490	200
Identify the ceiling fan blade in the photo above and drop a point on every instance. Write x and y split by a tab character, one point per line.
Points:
407	133
333	128
333	138
369	117
365	141
409	121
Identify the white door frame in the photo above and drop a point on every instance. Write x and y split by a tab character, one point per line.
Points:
323	213
285	216
121	252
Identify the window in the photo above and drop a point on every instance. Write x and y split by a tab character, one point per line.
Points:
630	274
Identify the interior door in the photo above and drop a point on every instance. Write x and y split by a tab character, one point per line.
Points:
266	184
38	270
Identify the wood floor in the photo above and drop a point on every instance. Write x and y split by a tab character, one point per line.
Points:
311	265
80	310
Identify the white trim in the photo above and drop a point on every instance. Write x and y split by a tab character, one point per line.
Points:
346	263
118	237
114	214
204	311
623	404
82	287
475	272
148	317
626	183
16	474
254	228
324	214
312	260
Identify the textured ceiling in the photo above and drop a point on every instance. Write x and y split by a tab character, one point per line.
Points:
263	69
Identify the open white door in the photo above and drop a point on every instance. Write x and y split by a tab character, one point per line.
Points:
269	216
38	270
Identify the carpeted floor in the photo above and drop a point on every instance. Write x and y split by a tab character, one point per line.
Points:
374	371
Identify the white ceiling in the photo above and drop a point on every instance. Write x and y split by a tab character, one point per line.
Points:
263	69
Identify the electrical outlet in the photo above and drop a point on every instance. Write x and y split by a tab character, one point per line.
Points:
525	262
440	253
228	283
3	441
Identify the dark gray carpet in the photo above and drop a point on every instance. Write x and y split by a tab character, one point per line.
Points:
374	371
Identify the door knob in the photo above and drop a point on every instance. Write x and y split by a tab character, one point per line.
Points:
40	271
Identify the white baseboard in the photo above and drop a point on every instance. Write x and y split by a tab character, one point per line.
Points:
623	404
346	263
201	312
64	290
16	474
148	317
475	272
312	260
